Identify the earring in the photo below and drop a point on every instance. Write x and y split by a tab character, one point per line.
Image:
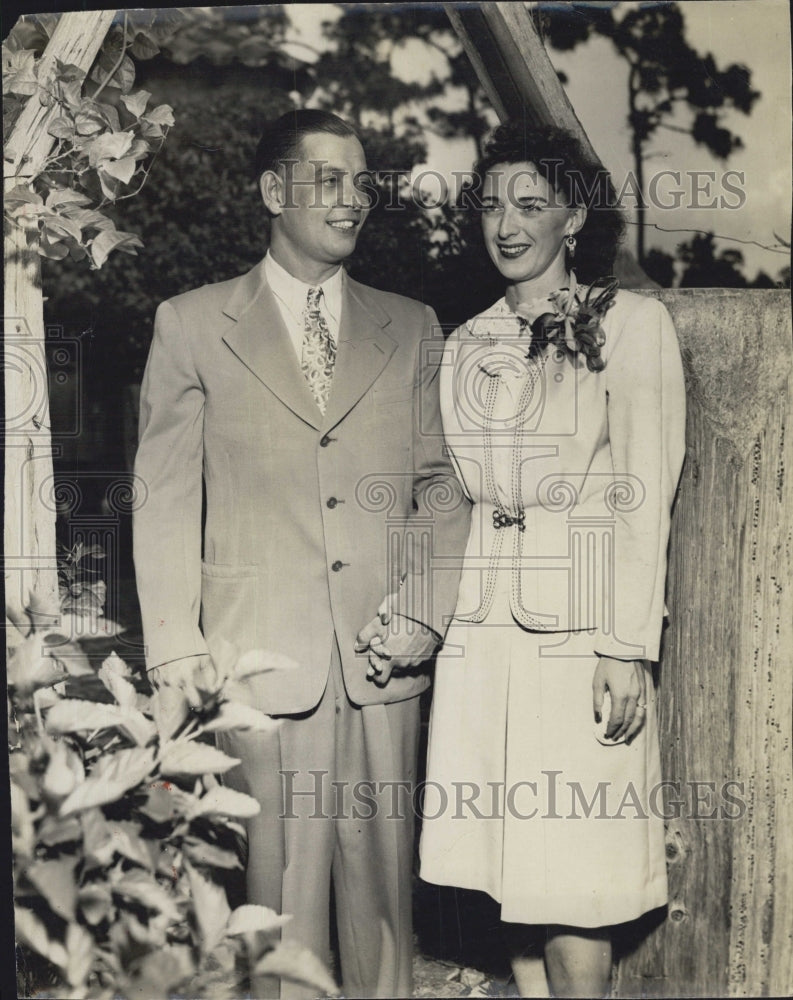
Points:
570	243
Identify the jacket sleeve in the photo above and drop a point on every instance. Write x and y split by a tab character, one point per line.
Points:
437	531
646	431
167	526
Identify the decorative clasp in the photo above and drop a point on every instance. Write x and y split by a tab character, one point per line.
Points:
501	519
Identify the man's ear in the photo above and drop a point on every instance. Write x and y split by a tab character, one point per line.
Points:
272	190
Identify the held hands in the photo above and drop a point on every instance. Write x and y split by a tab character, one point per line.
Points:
394	641
626	683
186	674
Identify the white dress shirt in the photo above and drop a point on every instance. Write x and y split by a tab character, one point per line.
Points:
291	295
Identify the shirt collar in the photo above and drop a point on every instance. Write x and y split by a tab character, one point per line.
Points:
293	292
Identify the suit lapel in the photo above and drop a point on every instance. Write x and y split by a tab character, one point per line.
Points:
364	350
261	342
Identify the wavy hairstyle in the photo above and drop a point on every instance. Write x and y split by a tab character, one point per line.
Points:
560	158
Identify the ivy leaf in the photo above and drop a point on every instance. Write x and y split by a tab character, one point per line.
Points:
109	146
62	128
112	775
88	123
190	758
224	801
66	196
144	46
136	103
161	115
57	227
71	94
54	880
31	931
122	169
211	907
18	73
22	195
112	239
290	960
250	919
122	78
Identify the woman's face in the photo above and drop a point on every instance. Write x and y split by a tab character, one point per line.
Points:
525	222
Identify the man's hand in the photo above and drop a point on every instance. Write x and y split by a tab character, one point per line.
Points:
396	642
626	684
187	674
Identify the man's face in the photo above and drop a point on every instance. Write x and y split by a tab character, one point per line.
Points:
319	211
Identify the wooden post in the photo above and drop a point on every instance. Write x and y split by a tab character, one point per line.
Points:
29	564
727	666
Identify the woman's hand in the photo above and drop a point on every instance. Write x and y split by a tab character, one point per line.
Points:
627	686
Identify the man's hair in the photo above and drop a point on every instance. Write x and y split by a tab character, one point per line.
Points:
280	140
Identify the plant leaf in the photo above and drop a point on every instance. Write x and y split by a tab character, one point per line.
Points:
161	115
290	960
211	907
54	880
143	888
73	715
136	103
114	680
32	932
80	952
122	169
112	239
112	775
223	801
251	919
188	757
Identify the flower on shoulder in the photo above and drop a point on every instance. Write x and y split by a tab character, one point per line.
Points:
567	320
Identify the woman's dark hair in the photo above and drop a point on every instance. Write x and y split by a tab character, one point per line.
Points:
559	157
280	140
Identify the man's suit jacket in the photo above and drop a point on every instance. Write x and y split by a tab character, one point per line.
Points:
309	519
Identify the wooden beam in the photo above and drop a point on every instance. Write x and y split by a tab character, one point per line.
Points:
29	522
513	67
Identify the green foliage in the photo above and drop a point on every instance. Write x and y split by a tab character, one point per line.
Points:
122	834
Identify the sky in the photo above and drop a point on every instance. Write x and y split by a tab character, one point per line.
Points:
755	33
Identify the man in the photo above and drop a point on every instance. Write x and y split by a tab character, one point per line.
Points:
304	399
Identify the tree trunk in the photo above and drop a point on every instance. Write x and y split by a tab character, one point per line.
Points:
30	565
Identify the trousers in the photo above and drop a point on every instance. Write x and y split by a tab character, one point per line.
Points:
335	789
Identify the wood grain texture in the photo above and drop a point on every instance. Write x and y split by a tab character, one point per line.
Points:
726	671
29	513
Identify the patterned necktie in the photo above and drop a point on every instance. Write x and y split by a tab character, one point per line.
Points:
318	355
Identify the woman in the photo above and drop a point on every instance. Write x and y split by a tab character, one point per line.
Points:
563	407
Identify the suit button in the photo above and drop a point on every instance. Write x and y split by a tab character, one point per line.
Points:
331	502
325	441
337	566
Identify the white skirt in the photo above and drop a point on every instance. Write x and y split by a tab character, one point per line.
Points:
522	800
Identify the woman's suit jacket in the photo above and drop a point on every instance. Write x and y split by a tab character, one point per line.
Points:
589	461
308	519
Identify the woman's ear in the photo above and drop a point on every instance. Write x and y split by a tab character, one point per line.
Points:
272	189
577	219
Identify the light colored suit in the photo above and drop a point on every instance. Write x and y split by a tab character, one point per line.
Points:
310	520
